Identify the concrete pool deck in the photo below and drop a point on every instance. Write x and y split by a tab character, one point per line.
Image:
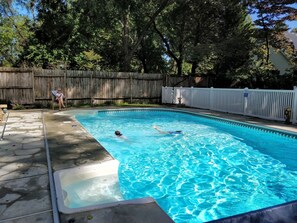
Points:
24	182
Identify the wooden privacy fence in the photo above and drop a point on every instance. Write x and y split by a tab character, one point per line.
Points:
17	85
97	87
33	86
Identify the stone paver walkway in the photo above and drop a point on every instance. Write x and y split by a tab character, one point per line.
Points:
24	184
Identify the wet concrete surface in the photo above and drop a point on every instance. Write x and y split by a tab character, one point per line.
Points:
70	145
24	181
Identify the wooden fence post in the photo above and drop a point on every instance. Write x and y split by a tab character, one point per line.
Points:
33	85
65	87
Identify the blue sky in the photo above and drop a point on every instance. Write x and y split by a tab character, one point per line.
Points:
292	24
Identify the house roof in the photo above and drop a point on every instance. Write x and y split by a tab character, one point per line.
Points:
293	38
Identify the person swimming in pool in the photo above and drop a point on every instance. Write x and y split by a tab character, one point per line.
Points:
167	132
120	135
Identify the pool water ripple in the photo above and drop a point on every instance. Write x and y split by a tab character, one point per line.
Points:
212	170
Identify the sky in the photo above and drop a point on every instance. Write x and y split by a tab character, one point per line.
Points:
292	24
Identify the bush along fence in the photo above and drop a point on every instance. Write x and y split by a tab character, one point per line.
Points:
278	105
34	86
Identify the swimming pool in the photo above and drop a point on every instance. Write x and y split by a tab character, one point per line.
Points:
215	169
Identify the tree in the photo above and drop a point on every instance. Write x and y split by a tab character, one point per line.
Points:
119	31
52	29
270	14
175	29
14	32
212	38
144	31
235	44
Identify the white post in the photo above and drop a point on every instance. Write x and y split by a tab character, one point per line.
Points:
172	95
245	98
166	95
294	109
191	96
180	96
163	94
211	96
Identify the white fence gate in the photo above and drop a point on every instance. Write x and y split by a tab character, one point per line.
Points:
267	104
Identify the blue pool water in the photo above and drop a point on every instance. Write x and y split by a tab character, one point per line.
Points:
214	169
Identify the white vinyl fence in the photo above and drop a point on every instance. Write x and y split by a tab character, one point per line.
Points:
267	104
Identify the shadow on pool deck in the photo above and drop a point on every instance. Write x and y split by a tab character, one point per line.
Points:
70	146
24	184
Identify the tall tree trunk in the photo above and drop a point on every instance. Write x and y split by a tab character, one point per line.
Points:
181	48
128	57
125	66
179	64
168	48
143	58
194	67
178	60
197	40
266	41
267	47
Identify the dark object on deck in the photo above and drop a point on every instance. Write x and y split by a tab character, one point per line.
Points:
288	114
8	103
284	213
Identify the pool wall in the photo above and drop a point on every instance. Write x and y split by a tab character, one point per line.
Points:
279	213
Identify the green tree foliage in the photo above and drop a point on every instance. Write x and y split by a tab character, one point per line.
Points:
234	45
209	35
53	29
121	33
270	27
14	32
212	38
55	24
271	16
